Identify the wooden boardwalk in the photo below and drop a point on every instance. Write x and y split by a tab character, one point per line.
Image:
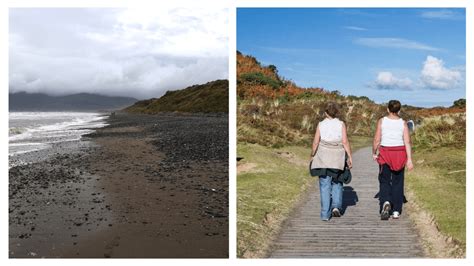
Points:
358	233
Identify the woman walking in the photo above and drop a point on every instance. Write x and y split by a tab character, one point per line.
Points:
392	150
328	155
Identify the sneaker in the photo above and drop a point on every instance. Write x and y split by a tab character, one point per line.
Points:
325	220
395	215
385	211
336	212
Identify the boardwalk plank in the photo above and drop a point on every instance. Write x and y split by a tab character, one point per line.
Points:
358	233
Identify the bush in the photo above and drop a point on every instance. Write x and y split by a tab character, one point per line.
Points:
273	68
260	78
309	95
362	98
461	103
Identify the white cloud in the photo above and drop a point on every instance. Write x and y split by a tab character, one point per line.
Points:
433	76
387	81
441	14
355	28
129	52
394	43
436	76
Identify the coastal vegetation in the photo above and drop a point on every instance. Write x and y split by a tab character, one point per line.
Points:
287	114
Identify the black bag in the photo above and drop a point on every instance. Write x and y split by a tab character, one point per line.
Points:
346	176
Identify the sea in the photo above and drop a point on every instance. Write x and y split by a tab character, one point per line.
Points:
34	131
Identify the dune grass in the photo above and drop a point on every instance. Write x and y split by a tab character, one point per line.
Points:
447	130
273	181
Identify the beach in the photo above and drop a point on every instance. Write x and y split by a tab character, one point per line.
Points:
142	186
33	136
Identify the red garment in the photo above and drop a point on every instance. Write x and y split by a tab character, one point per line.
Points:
395	157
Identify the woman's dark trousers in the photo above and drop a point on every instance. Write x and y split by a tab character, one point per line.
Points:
391	187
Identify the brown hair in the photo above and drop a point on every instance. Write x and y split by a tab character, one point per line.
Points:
332	109
394	106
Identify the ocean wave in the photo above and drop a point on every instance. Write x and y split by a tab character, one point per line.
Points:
33	131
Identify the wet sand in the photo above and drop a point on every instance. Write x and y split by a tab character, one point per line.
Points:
147	186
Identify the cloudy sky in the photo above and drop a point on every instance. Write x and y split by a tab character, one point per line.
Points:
415	55
124	52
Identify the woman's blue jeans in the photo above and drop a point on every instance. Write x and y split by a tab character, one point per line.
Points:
331	195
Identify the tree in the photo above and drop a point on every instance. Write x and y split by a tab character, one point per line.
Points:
460	103
273	68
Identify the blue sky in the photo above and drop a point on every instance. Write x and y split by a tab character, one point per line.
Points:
415	55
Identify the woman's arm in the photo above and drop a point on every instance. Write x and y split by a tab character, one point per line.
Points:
317	137
347	146
407	141
377	139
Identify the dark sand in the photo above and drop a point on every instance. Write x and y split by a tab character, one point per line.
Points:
148	186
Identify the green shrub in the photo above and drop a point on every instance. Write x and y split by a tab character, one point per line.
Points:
273	68
461	103
260	78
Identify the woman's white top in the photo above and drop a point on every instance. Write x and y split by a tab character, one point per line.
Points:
392	132
331	129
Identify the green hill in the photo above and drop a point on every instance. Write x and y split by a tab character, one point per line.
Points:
212	97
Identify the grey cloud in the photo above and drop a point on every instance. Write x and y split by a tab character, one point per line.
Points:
114	51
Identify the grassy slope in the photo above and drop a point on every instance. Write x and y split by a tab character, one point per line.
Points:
268	192
207	98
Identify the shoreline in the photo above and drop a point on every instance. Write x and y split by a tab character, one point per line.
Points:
54	148
37	156
149	186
